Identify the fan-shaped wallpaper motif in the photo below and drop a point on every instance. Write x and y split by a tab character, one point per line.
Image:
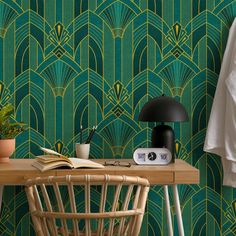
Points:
66	63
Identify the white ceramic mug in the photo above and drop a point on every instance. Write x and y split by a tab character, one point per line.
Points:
82	150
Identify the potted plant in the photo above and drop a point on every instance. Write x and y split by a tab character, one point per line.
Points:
9	129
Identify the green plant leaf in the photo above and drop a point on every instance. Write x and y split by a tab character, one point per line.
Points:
5	112
9	128
17	124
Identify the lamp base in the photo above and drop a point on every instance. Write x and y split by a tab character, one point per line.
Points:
163	136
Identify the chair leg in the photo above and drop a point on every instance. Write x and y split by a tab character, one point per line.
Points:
178	210
168	213
1	194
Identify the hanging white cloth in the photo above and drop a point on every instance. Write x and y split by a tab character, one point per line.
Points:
221	131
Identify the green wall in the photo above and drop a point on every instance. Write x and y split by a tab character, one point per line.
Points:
64	63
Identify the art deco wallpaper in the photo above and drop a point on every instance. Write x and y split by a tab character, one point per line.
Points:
66	63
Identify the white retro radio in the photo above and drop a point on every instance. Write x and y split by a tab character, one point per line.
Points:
152	156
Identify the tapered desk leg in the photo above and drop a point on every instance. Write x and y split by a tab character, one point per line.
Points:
1	193
178	211
168	213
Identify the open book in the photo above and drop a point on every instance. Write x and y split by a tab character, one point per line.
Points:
53	160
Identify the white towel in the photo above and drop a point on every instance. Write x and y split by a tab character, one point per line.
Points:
221	131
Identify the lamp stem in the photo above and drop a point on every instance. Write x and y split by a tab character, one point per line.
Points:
163	137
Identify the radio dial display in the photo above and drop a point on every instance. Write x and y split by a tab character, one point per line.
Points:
152	156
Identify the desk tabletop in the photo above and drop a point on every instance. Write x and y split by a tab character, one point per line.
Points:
18	170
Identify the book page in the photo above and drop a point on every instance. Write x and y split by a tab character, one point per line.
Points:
49	166
78	163
52	152
52	159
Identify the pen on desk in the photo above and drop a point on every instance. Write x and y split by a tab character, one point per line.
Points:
94	130
90	133
81	134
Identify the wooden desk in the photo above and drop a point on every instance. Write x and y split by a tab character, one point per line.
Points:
17	171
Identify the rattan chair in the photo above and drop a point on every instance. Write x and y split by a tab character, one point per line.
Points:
87	205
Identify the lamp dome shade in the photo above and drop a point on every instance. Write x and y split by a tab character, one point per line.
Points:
163	109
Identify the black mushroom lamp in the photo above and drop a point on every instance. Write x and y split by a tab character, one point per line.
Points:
163	109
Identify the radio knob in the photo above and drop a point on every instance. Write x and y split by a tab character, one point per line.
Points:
152	156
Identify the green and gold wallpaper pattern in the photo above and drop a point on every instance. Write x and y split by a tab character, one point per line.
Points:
66	63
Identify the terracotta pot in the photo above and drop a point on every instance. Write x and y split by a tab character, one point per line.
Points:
7	147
